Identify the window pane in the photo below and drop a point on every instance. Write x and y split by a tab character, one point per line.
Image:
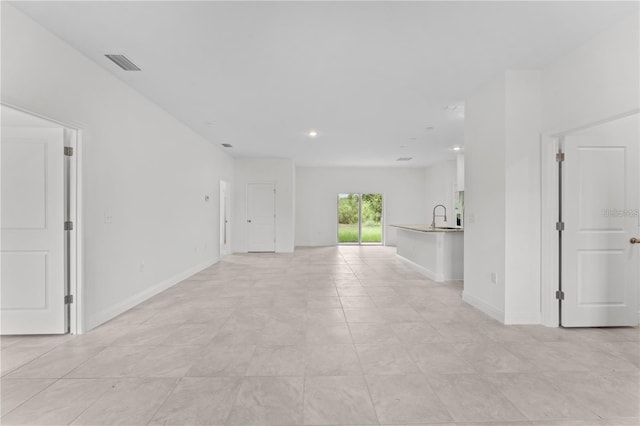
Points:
348	226
371	218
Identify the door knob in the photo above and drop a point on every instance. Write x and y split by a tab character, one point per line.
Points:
634	240
249	220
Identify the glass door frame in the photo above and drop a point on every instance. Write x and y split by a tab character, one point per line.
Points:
360	242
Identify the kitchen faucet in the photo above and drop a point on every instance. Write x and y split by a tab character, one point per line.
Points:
433	222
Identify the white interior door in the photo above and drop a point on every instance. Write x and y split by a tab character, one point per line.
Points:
261	217
600	187
224	218
32	231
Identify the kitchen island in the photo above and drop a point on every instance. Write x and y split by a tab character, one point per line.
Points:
436	252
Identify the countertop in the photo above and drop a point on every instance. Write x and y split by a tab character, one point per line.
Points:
427	228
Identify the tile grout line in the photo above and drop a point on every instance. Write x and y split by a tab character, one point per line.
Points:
364	377
92	402
13	370
165	399
104	348
29	399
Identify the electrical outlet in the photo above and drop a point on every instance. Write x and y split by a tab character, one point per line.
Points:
494	277
108	217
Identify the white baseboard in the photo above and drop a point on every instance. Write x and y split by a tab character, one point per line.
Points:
488	309
424	271
105	315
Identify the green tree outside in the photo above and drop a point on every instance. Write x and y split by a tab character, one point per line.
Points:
371	218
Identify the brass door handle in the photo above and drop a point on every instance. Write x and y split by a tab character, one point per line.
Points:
634	240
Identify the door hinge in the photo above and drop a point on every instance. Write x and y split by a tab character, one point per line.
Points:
560	156
560	295
68	299
68	226
559	226
68	151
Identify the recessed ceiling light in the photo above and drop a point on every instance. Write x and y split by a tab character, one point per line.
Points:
457	148
312	133
227	145
404	158
429	128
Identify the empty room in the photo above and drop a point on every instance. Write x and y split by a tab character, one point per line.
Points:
320	213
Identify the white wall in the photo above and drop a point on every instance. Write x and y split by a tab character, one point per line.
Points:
484	227
502	196
522	197
317	190
280	172
460	172
440	188
597	81
140	165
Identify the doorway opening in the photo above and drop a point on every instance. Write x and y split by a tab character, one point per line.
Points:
590	216
360	219
41	253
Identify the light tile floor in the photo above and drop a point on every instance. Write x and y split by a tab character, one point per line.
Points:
324	336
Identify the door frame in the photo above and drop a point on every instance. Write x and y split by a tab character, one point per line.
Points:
74	253
275	214
550	142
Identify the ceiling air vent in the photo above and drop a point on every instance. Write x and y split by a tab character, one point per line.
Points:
123	62
227	145
404	158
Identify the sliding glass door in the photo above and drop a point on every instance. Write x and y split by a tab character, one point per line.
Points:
360	219
349	218
371	217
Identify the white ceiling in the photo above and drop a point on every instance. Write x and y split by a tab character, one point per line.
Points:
370	76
